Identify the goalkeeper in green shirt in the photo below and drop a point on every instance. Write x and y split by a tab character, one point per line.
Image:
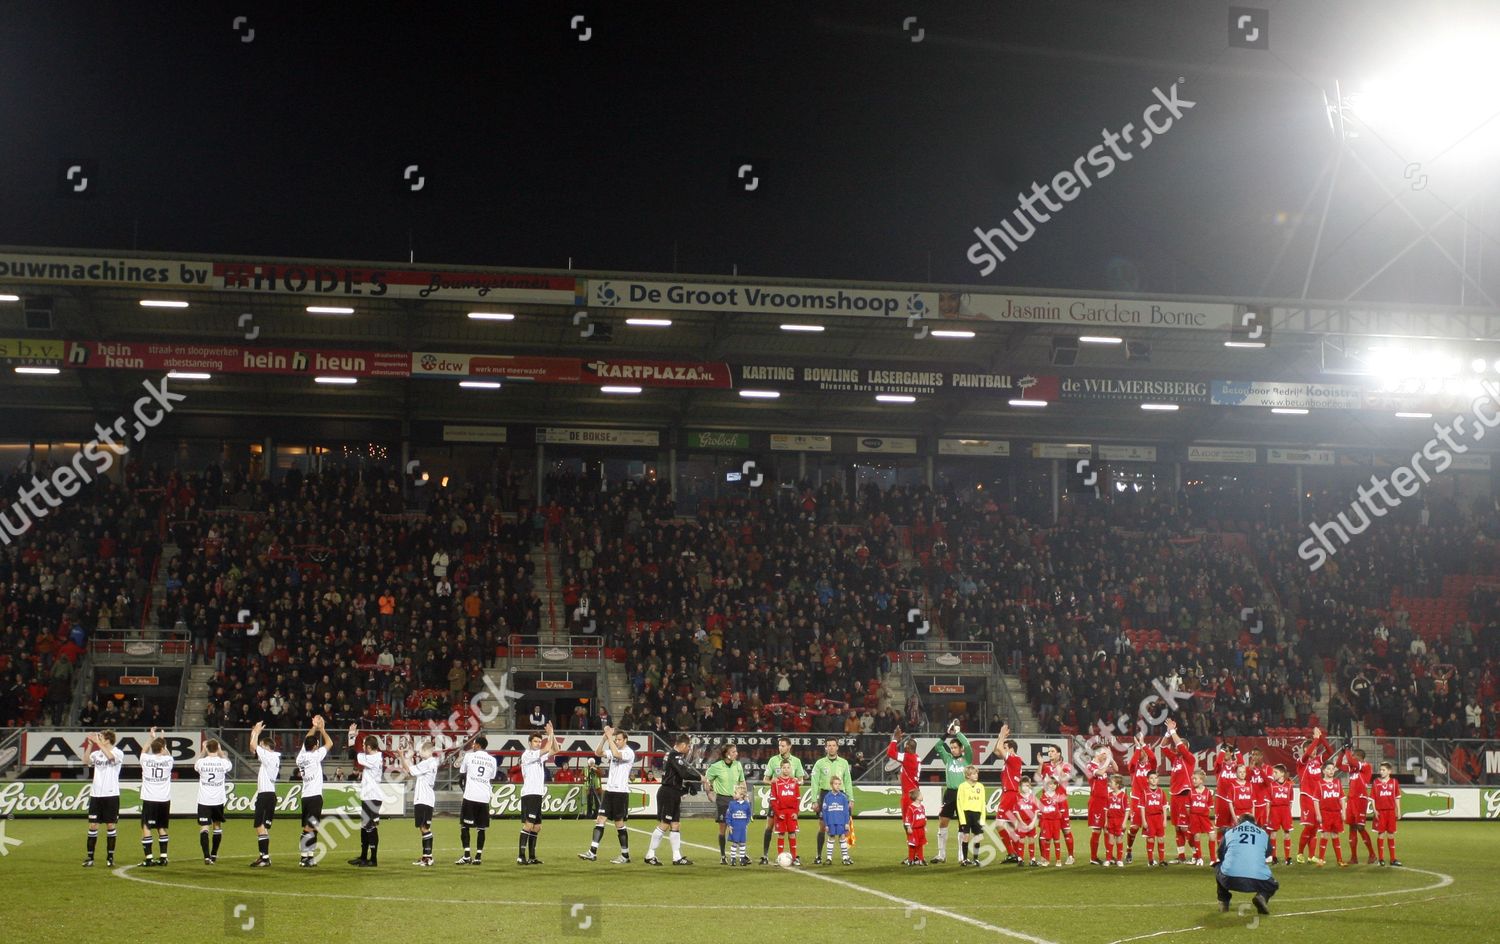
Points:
829	767
723	775
783	755
957	755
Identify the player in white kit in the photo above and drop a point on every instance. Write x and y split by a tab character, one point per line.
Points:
533	791
613	748
265	791
156	797
213	779
104	796
315	747
423	768
477	767
371	765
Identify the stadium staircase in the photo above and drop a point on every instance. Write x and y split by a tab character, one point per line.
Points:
548	581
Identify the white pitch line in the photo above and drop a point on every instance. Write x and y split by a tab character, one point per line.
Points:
1289	914
907	904
124	872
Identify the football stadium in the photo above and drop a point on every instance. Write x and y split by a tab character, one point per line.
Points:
610	471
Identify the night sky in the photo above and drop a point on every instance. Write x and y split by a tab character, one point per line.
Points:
875	156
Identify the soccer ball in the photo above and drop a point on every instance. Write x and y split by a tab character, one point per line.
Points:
784	860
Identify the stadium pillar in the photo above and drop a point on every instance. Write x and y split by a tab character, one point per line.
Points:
541	477
672	473
267	458
1299	494
929	472
801	466
1055	512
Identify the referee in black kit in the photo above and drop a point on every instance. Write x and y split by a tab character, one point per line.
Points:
677	778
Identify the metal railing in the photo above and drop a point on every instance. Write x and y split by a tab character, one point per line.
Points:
140	646
564	653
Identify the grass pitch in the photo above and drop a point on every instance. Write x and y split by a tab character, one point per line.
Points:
1450	891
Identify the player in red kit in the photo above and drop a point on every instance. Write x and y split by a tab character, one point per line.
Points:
1010	787
1360	773
1054	810
1227	761
914	818
1097	773
1183	764
1386	793
903	750
1258	774
1142	764
786	800
1059	771
1331	810
1201	819
1117	810
1154	807
1241	795
1279	812
1025	818
1309	775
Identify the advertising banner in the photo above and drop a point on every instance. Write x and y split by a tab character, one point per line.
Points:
26	352
843	378
567	436
1128	453
1266	393
1085	314
53	798
714	440
973	447
801	442
1198	453
233	359
473	434
570	370
41	748
1159	391
903	445
1061	450
801	301
1278	456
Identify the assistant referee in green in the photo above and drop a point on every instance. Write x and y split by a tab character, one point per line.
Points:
723	776
828	768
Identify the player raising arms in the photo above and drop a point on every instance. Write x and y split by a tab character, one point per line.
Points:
423	768
957	755
1279	812
265	791
784	755
371	764
1010	794
1352	761
826	770
1227	760
213	768
1142	763
1258	774
1059	771
1387	795
1097	771
477	767
615	751
315	746
1331	811
677	779
1309	776
100	753
156	797
543	747
1183	763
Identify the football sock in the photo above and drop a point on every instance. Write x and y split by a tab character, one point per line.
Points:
427	844
93	841
677	845
463	836
521	848
1068	838
531	846
624	837
655	841
598	835
1094	845
218	835
479	842
765	848
203	842
942	843
722	840
109	843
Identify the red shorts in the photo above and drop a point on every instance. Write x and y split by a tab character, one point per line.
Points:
1279	819
1309	810
1025	834
1201	824
1155	827
1331	821
1098	812
1180	810
1116	827
1137	815
1225	814
1051	829
919	836
1359	809
1385	821
786	822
